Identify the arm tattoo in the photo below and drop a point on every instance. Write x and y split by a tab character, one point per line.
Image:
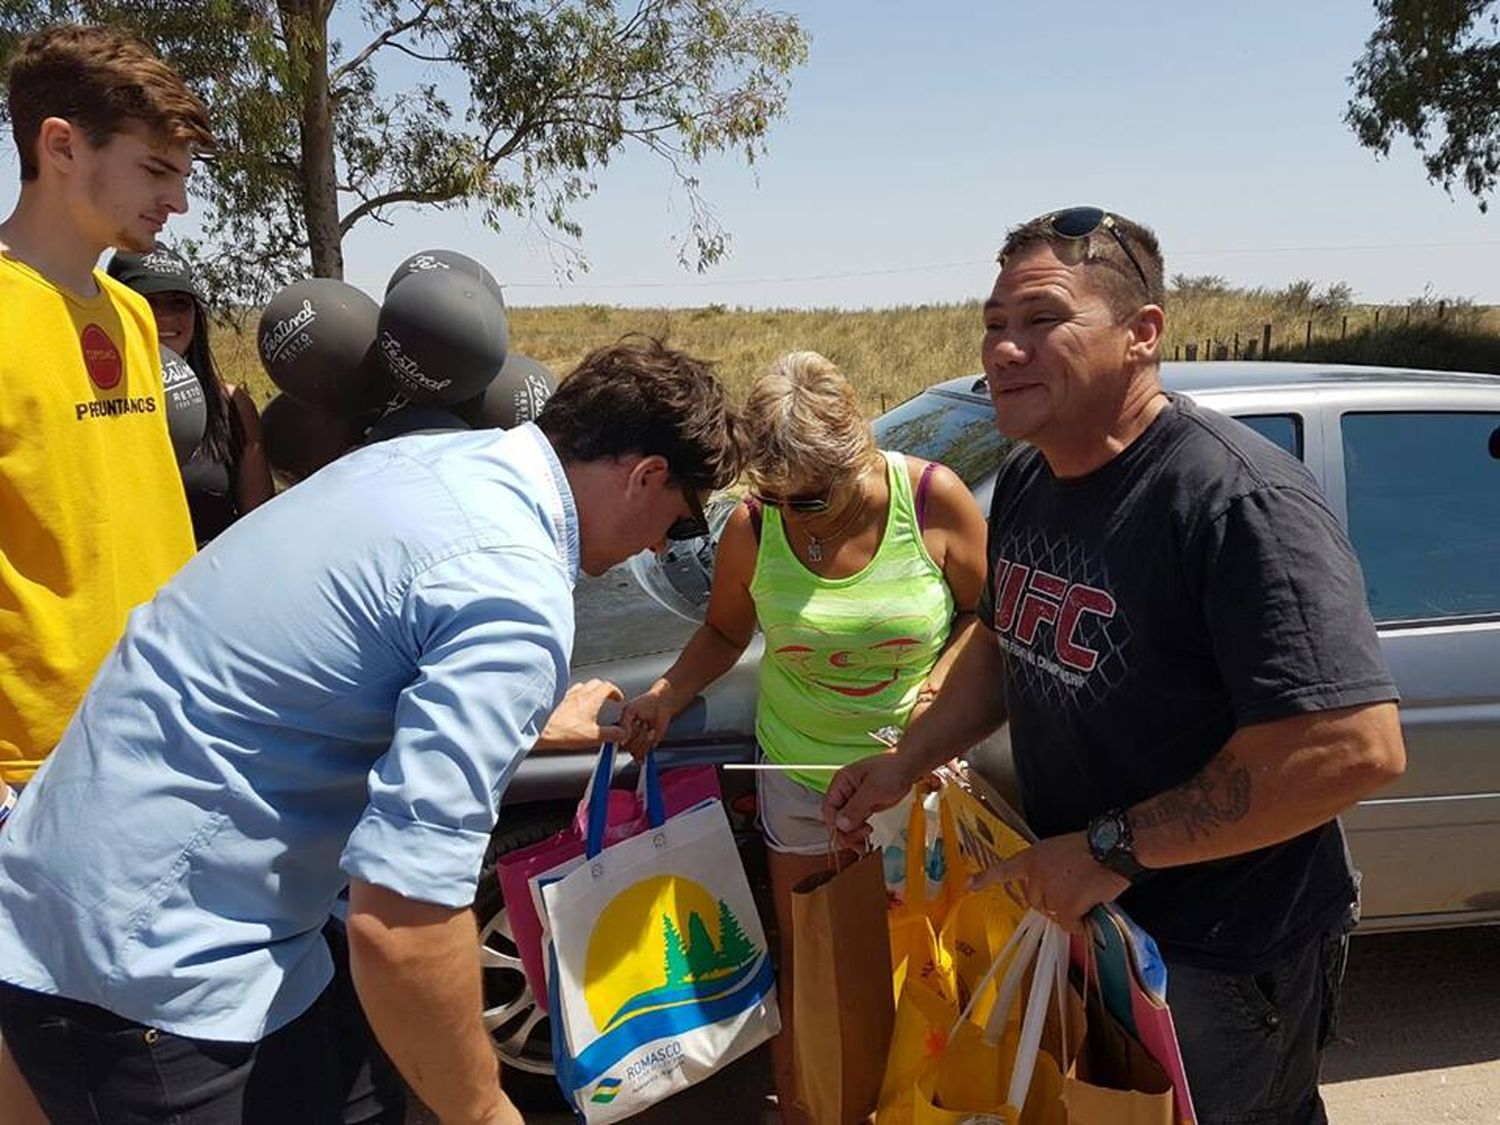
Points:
1219	794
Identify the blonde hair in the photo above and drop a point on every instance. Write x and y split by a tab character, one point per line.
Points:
804	427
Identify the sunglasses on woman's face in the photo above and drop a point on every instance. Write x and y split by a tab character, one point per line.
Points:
1078	223
804	505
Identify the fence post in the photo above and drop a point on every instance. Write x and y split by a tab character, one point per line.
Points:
1442	306
1208	348
882	402
1236	345
1177	351
1192	351
1344	328
1309	331
1408	314
1265	341
1377	318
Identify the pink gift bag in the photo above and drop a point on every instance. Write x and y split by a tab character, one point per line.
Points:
1133	984
681	789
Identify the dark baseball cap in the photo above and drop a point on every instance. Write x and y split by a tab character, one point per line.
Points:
161	271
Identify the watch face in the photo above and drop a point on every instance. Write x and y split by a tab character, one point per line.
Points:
1105	835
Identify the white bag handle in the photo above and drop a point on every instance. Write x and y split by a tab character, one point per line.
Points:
1022	943
1010	984
1060	993
1054	945
1036	938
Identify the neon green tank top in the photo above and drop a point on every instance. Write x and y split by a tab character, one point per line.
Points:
845	656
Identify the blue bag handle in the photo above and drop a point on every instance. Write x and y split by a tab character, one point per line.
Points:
604	769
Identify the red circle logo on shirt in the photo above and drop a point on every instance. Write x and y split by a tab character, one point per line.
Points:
101	357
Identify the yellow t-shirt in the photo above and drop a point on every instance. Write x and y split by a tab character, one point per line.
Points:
92	514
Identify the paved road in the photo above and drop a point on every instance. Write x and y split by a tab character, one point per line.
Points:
1419	1041
1420	1033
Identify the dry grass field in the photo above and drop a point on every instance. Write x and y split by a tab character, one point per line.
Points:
892	353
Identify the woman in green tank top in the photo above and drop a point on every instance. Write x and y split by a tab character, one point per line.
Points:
861	568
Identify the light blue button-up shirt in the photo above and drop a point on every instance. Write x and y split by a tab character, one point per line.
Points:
341	685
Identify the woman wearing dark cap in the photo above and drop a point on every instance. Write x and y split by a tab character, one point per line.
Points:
228	474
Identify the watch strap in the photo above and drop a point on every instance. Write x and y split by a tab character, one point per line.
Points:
1120	858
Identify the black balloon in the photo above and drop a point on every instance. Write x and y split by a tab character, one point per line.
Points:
429	260
443	336
514	396
414	419
300	438
315	338
187	411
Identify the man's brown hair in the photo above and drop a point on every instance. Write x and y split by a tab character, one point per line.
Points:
640	396
100	79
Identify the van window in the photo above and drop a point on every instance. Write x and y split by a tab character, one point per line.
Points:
1424	512
1284	429
957	432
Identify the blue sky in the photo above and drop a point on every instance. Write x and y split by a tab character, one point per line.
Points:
914	141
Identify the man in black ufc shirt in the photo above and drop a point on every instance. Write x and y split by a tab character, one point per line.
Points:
1191	675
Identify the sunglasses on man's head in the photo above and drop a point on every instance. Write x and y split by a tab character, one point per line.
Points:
1078	223
689	527
806	505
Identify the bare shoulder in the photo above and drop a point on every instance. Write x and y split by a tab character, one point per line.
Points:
738	542
731	608
949	501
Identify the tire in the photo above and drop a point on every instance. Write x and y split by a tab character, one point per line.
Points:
519	1031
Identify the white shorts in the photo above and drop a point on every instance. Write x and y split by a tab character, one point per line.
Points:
791	814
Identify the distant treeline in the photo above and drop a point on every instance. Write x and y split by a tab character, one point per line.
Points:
890	354
1205	314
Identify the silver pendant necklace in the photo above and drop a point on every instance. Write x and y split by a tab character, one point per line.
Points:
815	542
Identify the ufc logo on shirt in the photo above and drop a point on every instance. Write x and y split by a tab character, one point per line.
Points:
1027	598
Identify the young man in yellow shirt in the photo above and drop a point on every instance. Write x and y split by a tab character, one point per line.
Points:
92	516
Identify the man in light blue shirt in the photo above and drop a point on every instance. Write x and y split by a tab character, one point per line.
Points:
336	692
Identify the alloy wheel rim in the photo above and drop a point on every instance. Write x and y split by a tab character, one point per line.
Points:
518	1028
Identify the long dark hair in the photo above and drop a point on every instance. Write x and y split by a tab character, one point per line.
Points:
223	435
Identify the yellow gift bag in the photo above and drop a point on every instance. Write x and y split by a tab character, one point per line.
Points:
914	923
968	1078
923	1020
976	929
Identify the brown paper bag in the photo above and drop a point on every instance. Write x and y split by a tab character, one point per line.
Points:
1114	1081
842	1007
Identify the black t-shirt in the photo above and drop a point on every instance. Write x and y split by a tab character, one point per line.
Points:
209	486
1194	584
209	482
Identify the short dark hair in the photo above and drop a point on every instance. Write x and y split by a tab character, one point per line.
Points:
640	396
100	79
1118	281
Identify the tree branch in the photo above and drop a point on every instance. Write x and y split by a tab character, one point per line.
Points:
373	204
380	41
405	50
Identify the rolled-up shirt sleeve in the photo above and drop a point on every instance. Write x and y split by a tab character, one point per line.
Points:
490	632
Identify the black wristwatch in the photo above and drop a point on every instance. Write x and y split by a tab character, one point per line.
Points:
1113	844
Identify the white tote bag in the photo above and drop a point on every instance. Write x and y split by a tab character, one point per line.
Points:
660	971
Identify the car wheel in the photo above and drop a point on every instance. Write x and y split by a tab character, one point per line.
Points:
518	1029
